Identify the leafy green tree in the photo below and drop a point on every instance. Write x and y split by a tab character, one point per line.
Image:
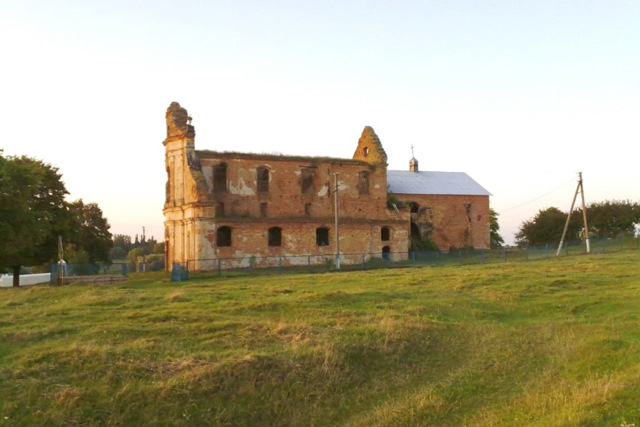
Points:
134	254
117	253
150	243
123	241
155	262
33	213
158	248
546	227
613	218
494	231
91	236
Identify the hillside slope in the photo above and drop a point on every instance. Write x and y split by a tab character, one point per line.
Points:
553	342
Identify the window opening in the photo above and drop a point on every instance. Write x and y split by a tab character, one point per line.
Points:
385	234
263	179
363	183
322	236
386	253
223	236
263	209
307	209
414	207
220	178
306	181
275	236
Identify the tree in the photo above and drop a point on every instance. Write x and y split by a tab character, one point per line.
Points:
33	211
151	243
117	253
123	241
494	236
91	239
158	248
546	227
134	254
611	219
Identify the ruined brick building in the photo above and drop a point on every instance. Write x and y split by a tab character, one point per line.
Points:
226	209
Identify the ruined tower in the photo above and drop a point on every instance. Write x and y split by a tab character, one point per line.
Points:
370	148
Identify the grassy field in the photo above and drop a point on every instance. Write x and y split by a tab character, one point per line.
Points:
553	342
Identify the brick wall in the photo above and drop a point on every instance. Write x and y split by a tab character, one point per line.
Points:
451	221
250	193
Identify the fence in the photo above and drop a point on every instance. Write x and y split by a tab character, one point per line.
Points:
95	273
6	280
364	261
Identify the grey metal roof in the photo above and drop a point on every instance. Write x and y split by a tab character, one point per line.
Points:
444	183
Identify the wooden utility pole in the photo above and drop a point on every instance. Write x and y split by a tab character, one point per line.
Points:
579	188
335	191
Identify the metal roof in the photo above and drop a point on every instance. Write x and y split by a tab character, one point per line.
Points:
444	183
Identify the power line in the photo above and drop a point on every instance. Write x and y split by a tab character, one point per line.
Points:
539	197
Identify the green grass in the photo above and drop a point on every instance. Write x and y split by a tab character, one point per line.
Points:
554	342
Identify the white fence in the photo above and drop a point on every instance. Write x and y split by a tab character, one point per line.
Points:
25	279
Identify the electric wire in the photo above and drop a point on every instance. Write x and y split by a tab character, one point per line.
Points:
539	197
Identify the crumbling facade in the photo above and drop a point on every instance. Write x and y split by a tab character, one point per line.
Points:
226	209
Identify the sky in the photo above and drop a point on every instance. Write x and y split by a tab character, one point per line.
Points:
520	95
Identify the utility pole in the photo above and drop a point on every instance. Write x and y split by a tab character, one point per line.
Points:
580	189
335	193
584	215
144	257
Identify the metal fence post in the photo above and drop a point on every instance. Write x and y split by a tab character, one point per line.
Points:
280	264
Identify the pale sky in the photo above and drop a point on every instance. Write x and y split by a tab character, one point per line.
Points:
521	95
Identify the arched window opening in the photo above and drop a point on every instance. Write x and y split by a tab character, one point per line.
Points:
223	237
322	236
275	236
386	252
414	207
385	234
